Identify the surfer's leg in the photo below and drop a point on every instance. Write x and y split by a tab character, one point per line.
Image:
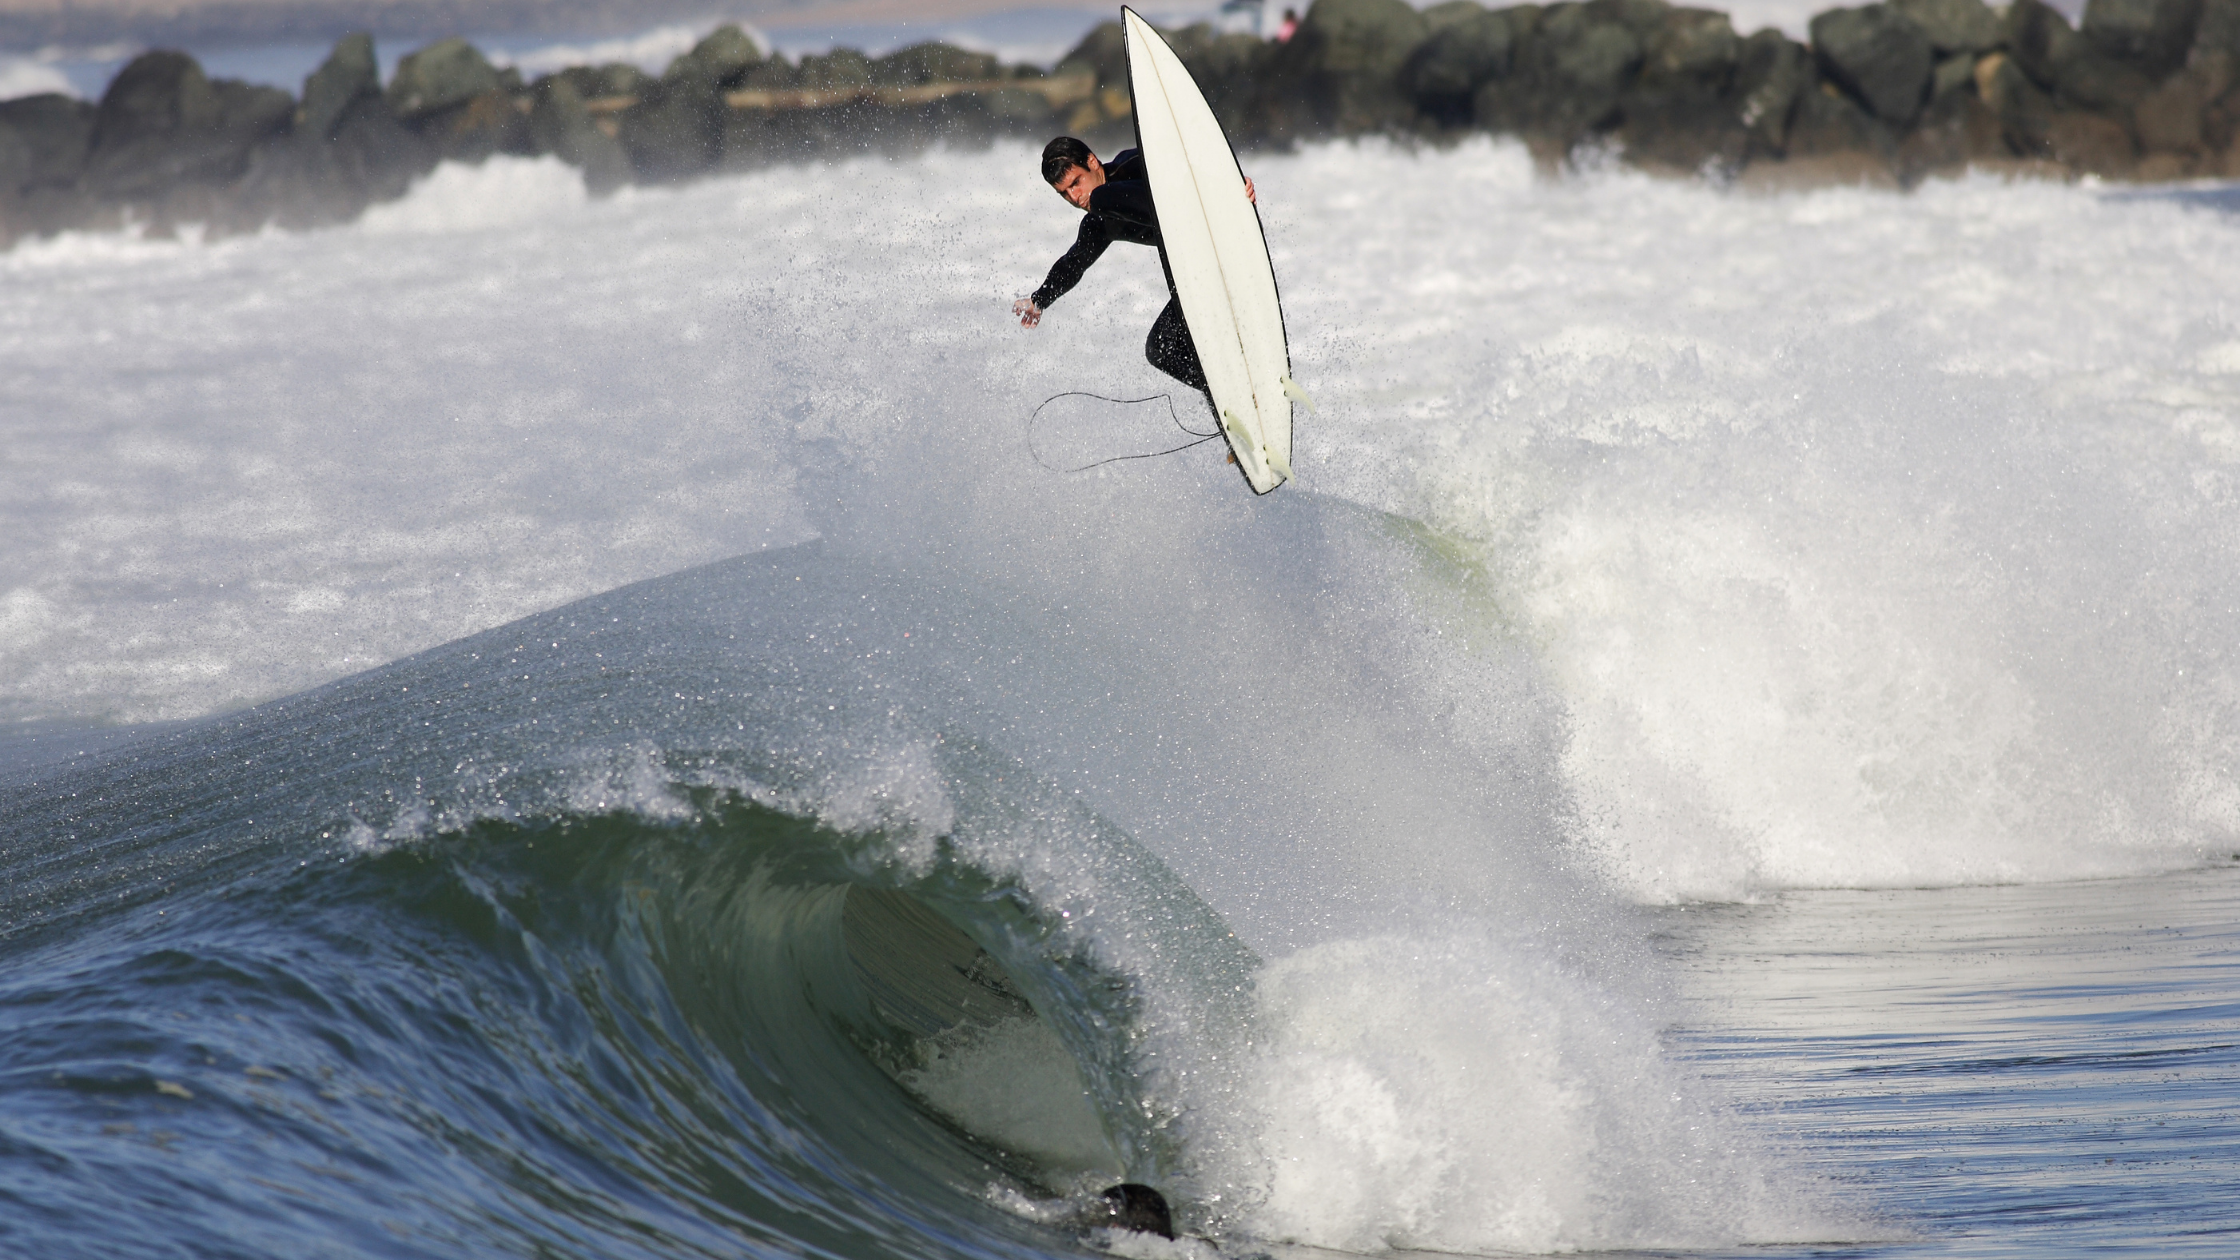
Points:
1170	349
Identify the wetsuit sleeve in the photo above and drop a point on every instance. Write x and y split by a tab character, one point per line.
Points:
1088	246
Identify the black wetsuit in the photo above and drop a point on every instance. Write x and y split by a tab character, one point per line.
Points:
1120	210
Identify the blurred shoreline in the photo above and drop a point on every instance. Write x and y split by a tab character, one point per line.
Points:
1886	94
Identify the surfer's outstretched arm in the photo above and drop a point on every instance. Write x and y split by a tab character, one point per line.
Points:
1088	246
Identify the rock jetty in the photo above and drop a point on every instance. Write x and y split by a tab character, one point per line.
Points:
1888	93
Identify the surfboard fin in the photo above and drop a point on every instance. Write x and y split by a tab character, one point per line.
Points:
1292	391
1275	463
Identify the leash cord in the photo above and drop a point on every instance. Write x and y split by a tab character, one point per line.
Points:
1202	438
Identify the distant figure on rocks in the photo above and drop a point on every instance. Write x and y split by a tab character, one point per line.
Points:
1288	27
1137	1207
1117	197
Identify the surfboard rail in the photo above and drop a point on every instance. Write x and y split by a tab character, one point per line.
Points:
1217	255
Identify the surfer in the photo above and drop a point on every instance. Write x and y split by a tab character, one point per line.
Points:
1117	199
1134	1207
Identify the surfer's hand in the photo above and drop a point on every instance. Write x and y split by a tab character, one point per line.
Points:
1249	195
1029	314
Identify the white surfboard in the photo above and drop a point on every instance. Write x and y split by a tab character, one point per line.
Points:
1218	255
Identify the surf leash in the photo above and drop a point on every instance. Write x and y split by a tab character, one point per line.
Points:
1202	438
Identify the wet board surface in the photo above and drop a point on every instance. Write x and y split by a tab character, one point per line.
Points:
1219	257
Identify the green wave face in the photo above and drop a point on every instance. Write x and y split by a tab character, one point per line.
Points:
648	945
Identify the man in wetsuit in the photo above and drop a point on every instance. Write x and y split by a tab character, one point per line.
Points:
1117	197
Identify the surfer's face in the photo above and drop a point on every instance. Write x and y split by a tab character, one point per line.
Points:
1079	181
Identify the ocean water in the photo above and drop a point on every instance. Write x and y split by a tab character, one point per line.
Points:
553	727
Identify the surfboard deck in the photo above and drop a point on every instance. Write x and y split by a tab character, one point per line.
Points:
1217	253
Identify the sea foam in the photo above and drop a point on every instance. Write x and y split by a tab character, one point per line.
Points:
1850	537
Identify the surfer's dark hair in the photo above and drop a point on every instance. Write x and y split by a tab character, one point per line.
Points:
1062	155
1139	1207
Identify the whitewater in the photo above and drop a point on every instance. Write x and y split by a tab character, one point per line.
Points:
551	726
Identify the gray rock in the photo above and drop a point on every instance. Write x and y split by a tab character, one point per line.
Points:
1828	122
308	180
43	141
1697	46
1955	130
1103	52
1954	26
1465	50
2219	28
1568	72
1953	74
480	127
2169	119
1681	114
723	57
348	73
163	122
2151	35
1229	67
2064	62
1441	16
675	130
934	62
560	125
1878	55
840	68
1340	72
592	83
1771	72
441	76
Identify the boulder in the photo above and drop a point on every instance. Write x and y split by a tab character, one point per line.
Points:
486	124
1771	72
1954	26
840	68
43	141
675	130
2219	28
1439	17
1956	73
1340	72
2060	60
1829	122
2171	118
1880	56
308	180
1229	66
1103	52
560	125
2011	94
724	57
2152	36
348	73
1465	51
441	76
934	62
2089	143
164	123
1681	114
1957	130
1568	73
1693	47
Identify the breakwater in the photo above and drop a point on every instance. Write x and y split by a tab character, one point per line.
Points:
1889	93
